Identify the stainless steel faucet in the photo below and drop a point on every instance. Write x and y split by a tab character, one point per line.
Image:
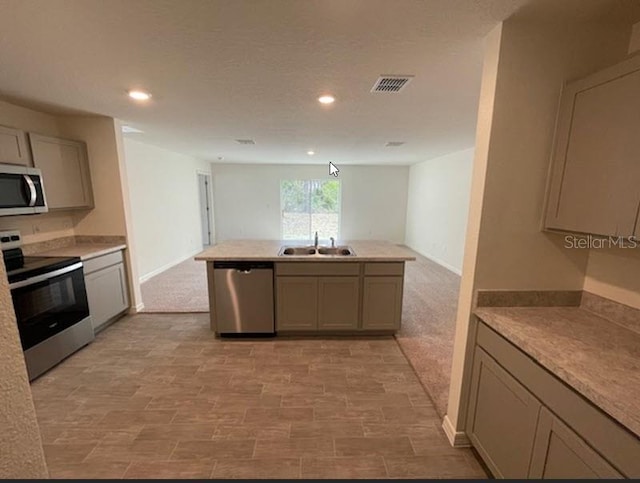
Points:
333	242
316	240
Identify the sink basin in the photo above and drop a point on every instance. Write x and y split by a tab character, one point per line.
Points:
308	251
343	251
297	251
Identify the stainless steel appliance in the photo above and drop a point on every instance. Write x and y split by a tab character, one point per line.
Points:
244	297
50	302
21	190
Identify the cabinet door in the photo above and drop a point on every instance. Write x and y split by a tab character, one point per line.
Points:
65	171
107	294
559	453
339	300
13	146
382	303
502	418
595	184
297	303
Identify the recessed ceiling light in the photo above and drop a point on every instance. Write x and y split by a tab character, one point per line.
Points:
139	95
311	153
326	99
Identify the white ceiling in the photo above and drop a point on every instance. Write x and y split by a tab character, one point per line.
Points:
221	70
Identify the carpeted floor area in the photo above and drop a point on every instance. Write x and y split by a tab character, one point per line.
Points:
428	318
180	289
429	324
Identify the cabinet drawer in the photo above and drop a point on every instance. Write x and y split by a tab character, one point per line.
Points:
384	268
103	261
318	268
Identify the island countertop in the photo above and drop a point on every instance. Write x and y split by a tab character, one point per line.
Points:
596	357
267	250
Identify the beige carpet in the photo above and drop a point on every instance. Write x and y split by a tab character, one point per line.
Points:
428	318
428	325
180	289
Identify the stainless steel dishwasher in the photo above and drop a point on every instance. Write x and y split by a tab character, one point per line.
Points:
244	297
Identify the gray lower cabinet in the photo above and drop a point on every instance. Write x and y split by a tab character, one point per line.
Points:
296	303
338	296
559	453
382	303
502	419
13	146
526	423
107	293
338	303
65	170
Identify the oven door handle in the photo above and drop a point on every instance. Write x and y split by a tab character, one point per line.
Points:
32	189
45	276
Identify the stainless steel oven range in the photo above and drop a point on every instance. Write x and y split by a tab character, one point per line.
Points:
50	301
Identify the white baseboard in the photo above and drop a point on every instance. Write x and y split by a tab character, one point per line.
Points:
137	309
167	266
457	439
442	263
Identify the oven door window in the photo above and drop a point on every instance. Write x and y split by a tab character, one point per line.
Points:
48	307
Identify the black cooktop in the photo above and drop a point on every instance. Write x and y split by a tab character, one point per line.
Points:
34	266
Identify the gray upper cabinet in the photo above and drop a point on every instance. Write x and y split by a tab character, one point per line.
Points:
13	146
65	171
595	176
559	453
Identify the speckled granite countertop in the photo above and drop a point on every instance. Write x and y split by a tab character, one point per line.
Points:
596	357
267	250
85	251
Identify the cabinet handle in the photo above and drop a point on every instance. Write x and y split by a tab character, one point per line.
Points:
32	189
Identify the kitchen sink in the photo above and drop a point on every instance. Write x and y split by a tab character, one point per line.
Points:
297	251
341	251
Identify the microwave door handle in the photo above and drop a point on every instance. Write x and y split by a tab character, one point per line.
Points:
32	189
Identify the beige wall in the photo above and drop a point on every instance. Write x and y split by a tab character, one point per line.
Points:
100	133
542	46
437	207
21	453
165	205
247	200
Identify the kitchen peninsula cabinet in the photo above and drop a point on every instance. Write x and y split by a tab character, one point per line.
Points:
13	146
594	184
317	291
65	170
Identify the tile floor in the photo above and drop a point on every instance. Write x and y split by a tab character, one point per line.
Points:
158	396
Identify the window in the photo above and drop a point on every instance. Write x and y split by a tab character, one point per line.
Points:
309	206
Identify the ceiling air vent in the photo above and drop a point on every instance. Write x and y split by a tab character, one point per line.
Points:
394	144
245	141
391	83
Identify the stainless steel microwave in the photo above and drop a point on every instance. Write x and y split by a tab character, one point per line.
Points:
21	190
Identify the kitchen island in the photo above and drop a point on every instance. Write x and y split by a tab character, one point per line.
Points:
314	293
